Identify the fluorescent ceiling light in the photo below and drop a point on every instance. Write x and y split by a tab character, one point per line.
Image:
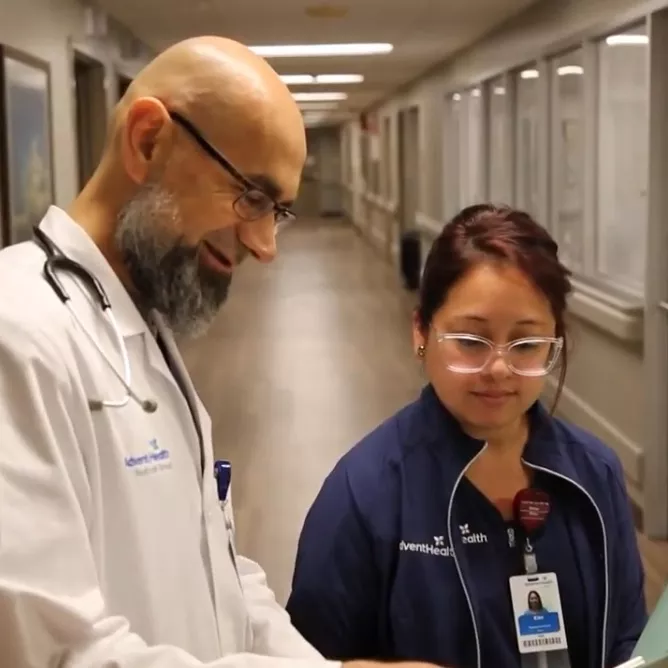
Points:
529	74
293	50
626	39
315	115
298	79
569	69
318	106
338	78
319	97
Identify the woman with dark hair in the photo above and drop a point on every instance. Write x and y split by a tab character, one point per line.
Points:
409	547
534	603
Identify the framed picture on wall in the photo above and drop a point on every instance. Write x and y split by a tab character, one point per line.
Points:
26	149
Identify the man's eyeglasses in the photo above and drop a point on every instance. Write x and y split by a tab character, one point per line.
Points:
530	356
253	203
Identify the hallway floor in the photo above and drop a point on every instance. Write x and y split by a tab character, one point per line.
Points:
310	353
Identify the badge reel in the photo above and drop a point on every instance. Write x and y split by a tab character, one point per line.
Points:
535	596
531	508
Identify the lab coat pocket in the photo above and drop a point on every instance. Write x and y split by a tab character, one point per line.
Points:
228	517
234	624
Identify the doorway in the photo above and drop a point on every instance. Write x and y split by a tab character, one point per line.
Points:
91	114
123	84
408	156
320	190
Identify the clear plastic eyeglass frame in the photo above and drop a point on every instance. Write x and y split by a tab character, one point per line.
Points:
504	350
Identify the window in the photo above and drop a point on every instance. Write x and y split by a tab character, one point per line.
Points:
527	132
500	174
387	157
623	160
454	165
567	74
473	191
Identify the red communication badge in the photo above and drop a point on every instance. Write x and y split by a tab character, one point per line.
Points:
530	508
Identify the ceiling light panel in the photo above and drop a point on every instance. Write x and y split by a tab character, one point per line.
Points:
318	106
319	97
310	79
627	40
345	49
297	79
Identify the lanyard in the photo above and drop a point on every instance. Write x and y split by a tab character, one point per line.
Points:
531	508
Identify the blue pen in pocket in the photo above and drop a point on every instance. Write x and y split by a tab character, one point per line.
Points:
222	470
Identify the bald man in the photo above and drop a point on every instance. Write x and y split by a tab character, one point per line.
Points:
114	547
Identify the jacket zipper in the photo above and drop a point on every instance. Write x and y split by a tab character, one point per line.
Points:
605	550
457	565
461	575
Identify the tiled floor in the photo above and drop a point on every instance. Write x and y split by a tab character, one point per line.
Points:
310	353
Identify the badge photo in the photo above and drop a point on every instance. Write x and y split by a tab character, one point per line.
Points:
537	612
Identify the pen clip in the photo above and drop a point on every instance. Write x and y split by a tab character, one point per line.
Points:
222	471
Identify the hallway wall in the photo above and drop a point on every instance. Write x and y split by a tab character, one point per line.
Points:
50	30
608	325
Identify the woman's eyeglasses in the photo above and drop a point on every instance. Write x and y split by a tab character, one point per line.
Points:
469	353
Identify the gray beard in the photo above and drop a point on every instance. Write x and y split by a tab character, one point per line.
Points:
167	274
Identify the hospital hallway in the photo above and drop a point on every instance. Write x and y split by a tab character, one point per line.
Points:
310	353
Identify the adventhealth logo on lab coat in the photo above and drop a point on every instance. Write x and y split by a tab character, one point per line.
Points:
156	459
439	548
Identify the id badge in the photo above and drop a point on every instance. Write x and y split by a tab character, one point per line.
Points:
539	622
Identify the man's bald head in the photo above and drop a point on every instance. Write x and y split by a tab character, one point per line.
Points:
227	90
205	152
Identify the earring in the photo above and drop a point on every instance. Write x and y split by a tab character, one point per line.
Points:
420	351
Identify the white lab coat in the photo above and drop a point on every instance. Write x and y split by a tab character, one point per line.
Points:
109	557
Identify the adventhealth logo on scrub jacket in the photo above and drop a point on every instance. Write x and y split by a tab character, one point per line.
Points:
439	548
156	459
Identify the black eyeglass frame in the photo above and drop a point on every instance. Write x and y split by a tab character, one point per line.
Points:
282	214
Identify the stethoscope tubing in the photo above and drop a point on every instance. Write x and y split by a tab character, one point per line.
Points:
58	261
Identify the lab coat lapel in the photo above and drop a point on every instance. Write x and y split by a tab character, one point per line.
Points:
180	376
227	591
179	371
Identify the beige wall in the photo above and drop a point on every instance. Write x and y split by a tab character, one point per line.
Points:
607	332
49	29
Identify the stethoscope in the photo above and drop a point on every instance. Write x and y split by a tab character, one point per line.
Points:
57	261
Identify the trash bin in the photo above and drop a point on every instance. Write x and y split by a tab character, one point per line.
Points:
410	259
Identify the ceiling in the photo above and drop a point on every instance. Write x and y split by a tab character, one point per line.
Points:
422	32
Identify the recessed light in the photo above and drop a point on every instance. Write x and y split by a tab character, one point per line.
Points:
293	50
529	74
614	40
298	79
319	97
569	69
